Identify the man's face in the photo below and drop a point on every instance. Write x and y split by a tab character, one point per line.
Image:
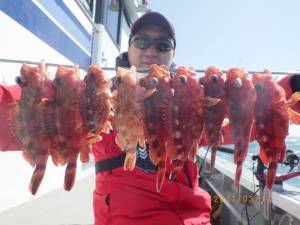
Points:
153	54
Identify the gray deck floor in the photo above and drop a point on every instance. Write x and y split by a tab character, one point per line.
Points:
56	208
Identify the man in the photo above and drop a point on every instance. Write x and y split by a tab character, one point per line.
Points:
130	197
152	41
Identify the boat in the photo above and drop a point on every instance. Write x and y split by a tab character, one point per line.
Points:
84	32
61	32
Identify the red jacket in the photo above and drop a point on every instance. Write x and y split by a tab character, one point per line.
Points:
123	197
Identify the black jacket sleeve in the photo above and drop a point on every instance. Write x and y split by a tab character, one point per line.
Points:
295	83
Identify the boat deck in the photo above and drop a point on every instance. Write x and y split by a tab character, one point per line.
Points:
56	208
282	204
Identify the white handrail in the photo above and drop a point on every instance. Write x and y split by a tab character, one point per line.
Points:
290	72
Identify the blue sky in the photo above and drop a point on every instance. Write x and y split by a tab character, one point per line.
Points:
253	34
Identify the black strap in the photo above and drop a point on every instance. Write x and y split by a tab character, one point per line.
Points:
110	164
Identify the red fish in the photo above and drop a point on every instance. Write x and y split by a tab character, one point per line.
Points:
57	152
241	97
188	117
158	110
29	121
214	86
272	122
96	103
71	129
129	114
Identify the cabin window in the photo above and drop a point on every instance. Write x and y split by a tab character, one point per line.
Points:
124	32
90	3
111	13
87	6
113	17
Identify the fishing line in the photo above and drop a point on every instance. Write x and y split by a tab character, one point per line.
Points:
254	215
200	169
246	209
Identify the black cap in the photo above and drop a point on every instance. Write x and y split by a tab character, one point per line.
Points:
153	18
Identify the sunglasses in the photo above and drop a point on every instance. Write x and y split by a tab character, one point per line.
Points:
160	44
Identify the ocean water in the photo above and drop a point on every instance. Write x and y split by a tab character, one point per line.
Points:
292	143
